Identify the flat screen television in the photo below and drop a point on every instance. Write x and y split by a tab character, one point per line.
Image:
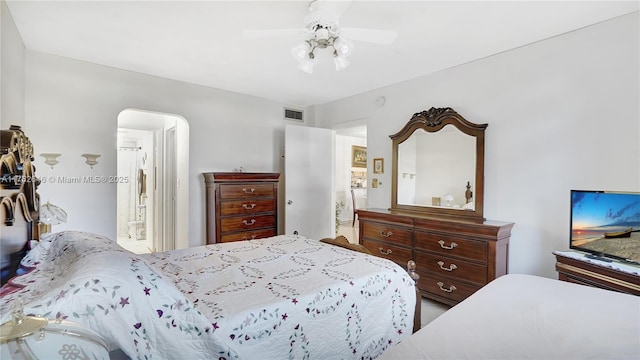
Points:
606	224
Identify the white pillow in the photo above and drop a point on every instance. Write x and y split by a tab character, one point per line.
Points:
38	251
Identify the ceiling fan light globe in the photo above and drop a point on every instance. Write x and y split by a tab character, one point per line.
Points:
343	47
341	62
301	51
307	66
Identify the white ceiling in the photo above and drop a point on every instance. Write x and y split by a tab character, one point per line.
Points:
202	42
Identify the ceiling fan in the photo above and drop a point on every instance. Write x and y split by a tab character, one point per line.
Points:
322	31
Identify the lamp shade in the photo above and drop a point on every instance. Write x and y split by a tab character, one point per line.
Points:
92	159
52	215
301	51
343	47
341	63
307	66
51	159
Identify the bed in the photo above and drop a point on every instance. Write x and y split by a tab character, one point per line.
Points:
530	317
282	297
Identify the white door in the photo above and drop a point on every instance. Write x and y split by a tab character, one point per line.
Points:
170	177
309	194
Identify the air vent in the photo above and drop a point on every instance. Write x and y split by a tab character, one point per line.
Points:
291	114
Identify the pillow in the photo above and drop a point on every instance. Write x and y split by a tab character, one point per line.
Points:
37	252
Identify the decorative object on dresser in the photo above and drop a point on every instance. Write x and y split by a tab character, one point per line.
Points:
575	267
241	206
457	250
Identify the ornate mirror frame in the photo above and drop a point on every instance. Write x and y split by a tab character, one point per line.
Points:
432	121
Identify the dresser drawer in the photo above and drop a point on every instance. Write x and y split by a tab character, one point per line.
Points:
444	287
451	267
235	191
248	206
452	246
387	250
248	235
392	234
237	223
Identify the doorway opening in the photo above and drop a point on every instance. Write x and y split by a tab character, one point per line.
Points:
350	177
153	160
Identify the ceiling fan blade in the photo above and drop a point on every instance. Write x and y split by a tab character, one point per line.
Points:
331	10
261	34
384	37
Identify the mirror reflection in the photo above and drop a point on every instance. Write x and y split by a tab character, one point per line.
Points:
435	168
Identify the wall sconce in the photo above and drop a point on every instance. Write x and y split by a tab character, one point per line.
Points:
50	158
92	159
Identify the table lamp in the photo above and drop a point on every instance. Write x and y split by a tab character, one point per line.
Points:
51	215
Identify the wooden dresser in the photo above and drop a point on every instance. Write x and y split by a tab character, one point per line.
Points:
454	258
599	274
241	206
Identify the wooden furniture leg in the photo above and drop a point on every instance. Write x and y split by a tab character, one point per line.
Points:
417	315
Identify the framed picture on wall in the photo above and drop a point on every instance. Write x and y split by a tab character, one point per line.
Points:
378	166
358	156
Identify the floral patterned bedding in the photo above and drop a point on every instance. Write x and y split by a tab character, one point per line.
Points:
276	298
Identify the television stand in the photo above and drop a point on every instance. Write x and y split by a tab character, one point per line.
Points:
576	268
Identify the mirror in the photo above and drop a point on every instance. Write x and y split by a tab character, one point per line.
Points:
438	165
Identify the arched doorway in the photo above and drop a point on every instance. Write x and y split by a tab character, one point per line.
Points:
153	155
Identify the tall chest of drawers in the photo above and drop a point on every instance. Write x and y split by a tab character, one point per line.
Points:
454	258
241	206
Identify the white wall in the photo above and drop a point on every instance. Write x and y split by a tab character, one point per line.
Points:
72	108
563	114
11	71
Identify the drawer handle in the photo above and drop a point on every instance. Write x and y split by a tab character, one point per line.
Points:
248	191
385	252
246	238
386	234
441	242
450	289
248	206
450	268
253	221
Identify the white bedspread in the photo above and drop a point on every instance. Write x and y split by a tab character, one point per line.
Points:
291	297
529	317
277	298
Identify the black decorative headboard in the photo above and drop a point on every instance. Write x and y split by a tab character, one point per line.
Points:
19	200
